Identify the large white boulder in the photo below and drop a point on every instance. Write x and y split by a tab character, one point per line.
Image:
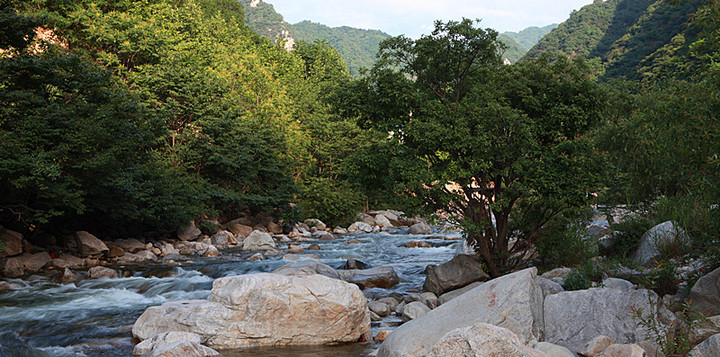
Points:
360	227
420	228
513	301
480	340
258	240
655	238
265	310
574	318
382	221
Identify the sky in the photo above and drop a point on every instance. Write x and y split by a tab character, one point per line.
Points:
416	17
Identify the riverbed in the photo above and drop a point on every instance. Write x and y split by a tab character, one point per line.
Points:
95	317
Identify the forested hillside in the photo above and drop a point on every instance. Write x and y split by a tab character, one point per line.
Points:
357	46
623	35
134	115
262	18
514	51
528	37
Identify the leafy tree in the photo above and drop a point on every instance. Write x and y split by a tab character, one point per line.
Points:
76	150
503	147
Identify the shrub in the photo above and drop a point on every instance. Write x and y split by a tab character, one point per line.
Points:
673	339
584	276
627	236
565	242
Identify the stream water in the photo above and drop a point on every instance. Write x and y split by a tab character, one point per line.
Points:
95	317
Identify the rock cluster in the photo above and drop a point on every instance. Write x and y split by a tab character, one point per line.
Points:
513	315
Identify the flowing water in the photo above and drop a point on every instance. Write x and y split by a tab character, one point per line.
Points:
95	317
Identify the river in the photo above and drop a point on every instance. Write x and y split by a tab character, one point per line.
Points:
95	317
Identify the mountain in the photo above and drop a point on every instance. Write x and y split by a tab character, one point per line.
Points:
357	47
514	51
623	36
265	21
528	37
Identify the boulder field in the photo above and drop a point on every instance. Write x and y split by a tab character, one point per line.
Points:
512	315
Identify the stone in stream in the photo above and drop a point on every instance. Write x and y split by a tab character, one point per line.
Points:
294	248
513	301
35	262
377	277
265	310
314	222
67	276
414	310
258	240
381	277
86	244
458	272
184	349
307	267
420	228
223	239
382	221
164	339
188	231
101	272
130	245
354	264
418	244
239	230
360	227
379	308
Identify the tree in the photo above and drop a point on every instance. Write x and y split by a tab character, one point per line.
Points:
502	147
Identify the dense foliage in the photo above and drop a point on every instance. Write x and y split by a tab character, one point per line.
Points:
143	114
503	147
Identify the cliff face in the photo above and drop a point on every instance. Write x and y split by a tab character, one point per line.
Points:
262	18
